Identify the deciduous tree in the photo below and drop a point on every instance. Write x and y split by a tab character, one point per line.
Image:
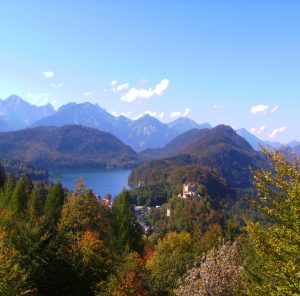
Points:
219	274
172	256
279	243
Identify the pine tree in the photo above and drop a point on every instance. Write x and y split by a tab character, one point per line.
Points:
37	200
127	232
19	200
2	176
54	203
6	192
28	183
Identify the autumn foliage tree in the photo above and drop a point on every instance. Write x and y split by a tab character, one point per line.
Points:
83	233
278	244
219	274
172	256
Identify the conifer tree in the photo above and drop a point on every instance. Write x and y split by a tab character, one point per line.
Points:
28	183
37	199
54	203
2	176
6	192
19	199
127	232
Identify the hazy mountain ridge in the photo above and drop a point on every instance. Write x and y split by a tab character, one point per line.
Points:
147	132
293	144
67	146
15	113
254	141
143	133
86	114
184	124
219	148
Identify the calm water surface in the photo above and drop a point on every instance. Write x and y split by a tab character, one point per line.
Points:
101	181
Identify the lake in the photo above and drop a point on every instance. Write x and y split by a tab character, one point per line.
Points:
101	181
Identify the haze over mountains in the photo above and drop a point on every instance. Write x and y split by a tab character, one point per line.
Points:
67	146
15	113
81	135
219	148
144	133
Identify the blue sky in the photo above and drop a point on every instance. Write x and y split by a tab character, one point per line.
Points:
231	62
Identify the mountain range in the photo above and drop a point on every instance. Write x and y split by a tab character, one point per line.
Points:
219	148
15	113
144	133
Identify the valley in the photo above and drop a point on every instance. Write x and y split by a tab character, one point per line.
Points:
149	148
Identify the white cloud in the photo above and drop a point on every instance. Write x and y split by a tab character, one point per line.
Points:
179	113
38	99
115	113
127	114
175	114
138	116
259	109
151	113
263	109
88	93
161	87
258	130
186	111
161	115
276	131
118	87
261	128
54	103
217	106
48	74
142	94
56	85
122	86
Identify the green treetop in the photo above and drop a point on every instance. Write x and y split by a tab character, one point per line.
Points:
54	203
279	244
127	232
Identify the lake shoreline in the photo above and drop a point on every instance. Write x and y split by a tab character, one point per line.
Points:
101	181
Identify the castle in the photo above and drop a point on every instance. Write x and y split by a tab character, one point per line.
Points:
189	190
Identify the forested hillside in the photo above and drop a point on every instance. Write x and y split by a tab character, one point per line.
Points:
219	149
56	242
67	146
19	168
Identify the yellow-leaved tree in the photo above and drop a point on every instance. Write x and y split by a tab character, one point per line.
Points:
278	244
